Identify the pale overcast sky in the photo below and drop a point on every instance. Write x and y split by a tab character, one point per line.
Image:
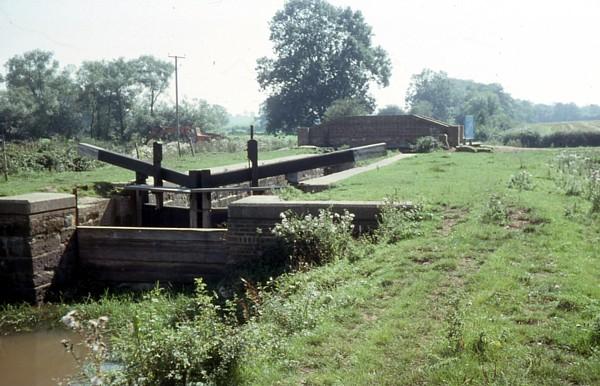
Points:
543	51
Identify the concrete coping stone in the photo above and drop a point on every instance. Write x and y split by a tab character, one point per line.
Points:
271	206
266	200
39	202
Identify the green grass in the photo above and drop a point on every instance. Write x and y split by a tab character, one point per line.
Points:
468	302
525	297
99	180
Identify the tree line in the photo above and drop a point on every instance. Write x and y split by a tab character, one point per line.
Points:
111	100
325	62
435	94
323	66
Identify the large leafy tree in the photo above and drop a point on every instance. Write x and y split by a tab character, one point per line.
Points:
35	84
122	94
323	54
431	93
346	107
154	75
108	95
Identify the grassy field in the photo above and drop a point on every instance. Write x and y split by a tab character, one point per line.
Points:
466	303
545	128
499	287
99	181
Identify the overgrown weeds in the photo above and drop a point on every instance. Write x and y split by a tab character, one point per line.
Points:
495	211
314	240
426	144
522	180
398	221
579	174
193	344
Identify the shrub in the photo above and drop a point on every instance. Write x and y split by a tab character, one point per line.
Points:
521	181
314	240
54	154
197	347
571	139
526	138
426	144
530	138
455	341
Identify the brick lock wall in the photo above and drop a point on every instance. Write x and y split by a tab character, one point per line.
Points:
37	250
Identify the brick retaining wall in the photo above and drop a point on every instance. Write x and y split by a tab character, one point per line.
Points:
37	248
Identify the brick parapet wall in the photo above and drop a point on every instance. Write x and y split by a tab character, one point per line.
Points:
37	249
399	131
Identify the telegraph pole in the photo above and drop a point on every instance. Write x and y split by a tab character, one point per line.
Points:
177	103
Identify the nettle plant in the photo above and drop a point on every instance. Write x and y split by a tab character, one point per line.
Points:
496	211
579	175
398	221
522	180
314	240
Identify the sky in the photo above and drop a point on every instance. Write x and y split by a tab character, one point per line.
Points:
542	51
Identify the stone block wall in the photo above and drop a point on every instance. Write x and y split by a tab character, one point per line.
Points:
37	250
114	211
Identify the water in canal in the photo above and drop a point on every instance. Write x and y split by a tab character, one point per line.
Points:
35	358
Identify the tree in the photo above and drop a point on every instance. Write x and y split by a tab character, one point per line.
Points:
33	81
436	89
154	74
14	115
109	90
347	107
323	53
391	110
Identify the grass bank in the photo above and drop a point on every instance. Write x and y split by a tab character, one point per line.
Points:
469	302
99	180
499	285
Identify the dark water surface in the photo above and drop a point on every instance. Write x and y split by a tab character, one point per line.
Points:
35	358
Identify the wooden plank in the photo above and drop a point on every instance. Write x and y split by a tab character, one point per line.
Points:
150	274
229	177
168	189
282	168
157	234
131	163
140	255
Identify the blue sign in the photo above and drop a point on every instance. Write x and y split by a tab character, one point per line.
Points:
469	127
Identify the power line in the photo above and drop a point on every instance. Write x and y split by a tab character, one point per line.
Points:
177	103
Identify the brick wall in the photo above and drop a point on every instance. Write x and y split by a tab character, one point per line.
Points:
250	221
37	250
398	131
